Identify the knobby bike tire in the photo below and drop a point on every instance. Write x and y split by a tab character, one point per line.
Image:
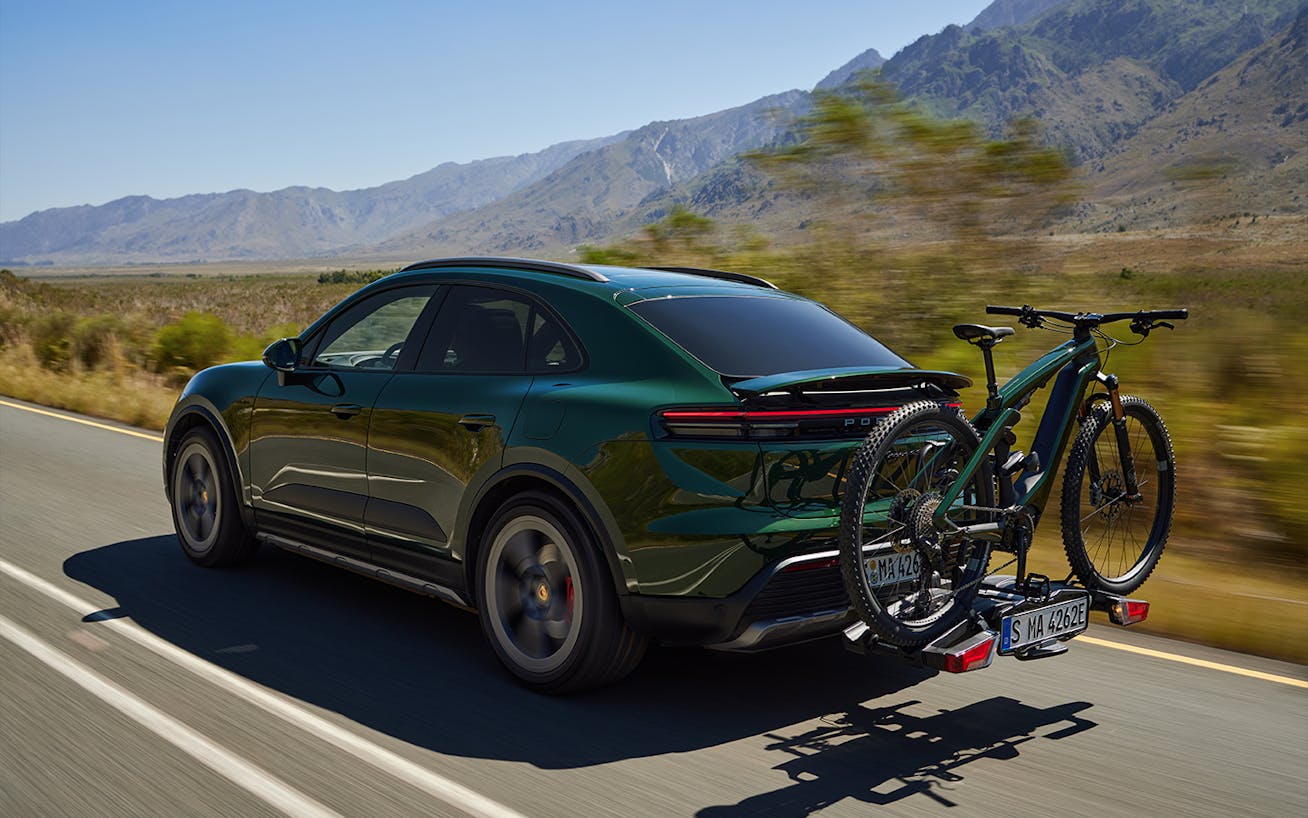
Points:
1109	545
872	604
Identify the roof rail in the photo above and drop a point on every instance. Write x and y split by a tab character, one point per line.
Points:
740	278
512	263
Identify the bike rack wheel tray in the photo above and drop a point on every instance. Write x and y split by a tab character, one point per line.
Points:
1009	618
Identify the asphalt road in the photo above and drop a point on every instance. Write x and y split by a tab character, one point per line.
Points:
132	683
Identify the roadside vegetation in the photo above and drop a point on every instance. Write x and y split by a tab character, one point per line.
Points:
124	347
913	225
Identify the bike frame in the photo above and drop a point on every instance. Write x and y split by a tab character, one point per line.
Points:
1073	365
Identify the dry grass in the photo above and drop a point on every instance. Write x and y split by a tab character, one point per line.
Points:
131	397
1222	600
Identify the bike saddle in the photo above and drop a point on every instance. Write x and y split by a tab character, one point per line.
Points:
979	332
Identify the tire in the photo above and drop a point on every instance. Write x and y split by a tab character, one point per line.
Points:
547	602
1112	544
888	465
205	505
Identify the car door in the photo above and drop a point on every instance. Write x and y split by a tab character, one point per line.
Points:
435	428
309	427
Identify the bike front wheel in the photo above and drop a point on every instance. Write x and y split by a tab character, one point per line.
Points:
907	582
1113	540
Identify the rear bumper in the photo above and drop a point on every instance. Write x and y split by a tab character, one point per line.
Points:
795	600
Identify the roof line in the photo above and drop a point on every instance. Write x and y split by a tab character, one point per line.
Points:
511	263
740	278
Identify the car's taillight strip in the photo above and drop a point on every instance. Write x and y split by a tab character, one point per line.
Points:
782	414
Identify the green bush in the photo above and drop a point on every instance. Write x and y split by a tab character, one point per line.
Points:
195	341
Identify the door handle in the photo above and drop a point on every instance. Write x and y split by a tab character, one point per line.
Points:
345	411
475	423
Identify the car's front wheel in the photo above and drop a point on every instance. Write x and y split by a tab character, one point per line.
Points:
547	603
206	511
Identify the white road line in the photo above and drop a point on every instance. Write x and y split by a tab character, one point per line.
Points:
230	766
435	785
120	430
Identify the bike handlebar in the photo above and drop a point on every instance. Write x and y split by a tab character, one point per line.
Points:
1031	315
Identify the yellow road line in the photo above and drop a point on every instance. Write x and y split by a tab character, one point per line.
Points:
120	430
1189	660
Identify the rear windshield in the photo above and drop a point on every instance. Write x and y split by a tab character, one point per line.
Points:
749	336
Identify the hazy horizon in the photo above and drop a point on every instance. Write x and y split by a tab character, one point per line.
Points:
101	102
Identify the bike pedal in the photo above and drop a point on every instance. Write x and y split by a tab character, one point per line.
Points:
1036	585
1015	461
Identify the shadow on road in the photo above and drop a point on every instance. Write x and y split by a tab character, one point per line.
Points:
419	670
880	755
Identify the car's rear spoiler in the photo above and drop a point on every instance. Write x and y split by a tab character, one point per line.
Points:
883	377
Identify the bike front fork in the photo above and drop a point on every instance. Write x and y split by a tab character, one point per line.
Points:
1124	454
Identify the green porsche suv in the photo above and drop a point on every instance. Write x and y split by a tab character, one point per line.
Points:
590	457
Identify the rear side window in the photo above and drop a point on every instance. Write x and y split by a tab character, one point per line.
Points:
487	330
750	336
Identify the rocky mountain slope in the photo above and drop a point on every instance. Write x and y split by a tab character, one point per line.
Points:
587	199
1237	145
1091	71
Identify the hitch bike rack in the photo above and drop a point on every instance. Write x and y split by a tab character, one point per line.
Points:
989	627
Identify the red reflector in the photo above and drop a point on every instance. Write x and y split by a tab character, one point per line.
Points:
810	565
1129	611
975	657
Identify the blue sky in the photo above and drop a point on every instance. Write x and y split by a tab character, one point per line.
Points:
100	100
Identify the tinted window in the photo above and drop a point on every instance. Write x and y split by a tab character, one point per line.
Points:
748	336
481	329
371	334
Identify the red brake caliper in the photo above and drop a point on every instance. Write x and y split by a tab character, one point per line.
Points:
567	584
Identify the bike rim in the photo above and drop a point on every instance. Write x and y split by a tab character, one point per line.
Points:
924	458
1120	533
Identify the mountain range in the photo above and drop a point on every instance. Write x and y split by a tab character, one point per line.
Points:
1139	92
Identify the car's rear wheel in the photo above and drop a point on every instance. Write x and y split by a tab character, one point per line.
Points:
204	503
547	602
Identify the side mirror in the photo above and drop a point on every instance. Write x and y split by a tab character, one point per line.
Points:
283	355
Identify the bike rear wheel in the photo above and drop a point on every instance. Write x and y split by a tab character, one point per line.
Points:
1113	540
908	585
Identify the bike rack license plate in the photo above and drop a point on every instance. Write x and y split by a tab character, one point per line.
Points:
892	568
1058	620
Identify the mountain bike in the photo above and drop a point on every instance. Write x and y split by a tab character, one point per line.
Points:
931	497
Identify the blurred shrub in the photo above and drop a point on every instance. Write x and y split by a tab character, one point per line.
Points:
246	347
12	326
52	340
352	276
195	341
97	342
